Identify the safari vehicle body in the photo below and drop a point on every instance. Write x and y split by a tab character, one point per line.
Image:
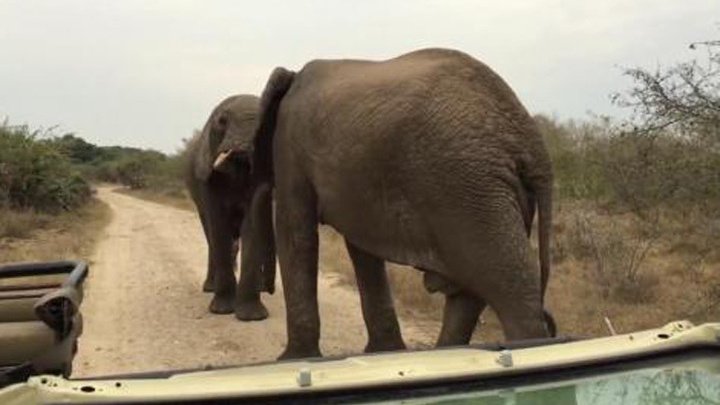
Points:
678	363
40	319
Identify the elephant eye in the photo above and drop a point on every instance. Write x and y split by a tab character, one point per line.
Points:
223	120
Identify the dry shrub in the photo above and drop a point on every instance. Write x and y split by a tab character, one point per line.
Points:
694	231
618	248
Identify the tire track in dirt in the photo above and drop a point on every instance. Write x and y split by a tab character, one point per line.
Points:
144	309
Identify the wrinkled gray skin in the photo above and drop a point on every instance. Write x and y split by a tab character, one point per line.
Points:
427	160
231	207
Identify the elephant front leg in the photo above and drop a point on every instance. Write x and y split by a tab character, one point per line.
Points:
223	257
248	306
297	244
376	298
209	283
459	319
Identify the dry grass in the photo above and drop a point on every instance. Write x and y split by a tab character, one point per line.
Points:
20	224
651	273
66	236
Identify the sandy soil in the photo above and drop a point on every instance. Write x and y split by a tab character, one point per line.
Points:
144	309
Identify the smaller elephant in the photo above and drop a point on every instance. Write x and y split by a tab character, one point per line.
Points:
233	208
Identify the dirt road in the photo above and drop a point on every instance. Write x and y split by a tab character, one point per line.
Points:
144	309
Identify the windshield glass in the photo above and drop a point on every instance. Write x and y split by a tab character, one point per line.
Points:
690	382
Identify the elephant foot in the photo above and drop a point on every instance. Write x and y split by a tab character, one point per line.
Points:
550	323
290	354
208	286
251	311
222	305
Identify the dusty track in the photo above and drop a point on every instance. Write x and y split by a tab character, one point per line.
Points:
144	309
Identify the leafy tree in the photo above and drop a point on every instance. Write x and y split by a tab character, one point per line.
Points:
684	98
668	152
77	149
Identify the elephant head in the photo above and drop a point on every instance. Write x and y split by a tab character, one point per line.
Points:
227	142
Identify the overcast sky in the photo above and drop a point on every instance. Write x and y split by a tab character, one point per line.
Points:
146	73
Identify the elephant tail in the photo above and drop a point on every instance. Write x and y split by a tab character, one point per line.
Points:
277	86
544	206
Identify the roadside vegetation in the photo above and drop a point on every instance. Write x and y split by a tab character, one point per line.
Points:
46	207
133	168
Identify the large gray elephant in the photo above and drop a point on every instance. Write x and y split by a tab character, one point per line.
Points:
233	206
428	160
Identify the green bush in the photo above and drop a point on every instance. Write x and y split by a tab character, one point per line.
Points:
78	150
636	170
578	155
649	171
35	174
134	171
147	170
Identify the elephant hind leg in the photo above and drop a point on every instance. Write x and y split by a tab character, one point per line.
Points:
522	322
516	299
488	254
461	310
459	319
376	299
550	322
297	248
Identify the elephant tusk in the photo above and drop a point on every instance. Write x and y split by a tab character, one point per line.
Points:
222	157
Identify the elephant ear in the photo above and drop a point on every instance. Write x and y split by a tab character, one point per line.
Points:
210	139
277	86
